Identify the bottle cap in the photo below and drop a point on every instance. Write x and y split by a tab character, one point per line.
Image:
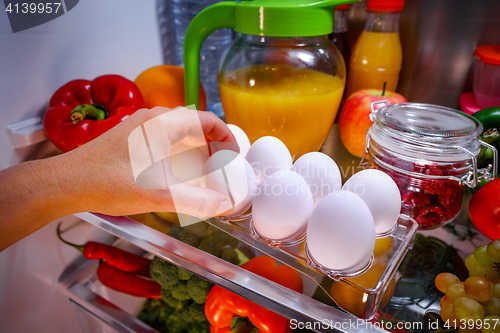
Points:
385	5
489	54
342	7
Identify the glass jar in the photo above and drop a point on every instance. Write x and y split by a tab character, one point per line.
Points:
430	151
289	88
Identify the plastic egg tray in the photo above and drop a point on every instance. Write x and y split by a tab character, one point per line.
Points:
294	254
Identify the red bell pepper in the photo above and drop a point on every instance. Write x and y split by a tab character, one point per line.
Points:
228	312
81	110
484	209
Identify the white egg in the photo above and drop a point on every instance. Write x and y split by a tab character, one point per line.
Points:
268	155
187	165
227	172
341	232
241	139
282	206
320	172
380	193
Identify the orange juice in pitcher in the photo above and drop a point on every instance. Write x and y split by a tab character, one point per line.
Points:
298	106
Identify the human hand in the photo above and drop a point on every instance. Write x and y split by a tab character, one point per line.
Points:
104	180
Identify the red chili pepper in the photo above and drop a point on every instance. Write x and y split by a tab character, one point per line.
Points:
81	110
127	283
123	260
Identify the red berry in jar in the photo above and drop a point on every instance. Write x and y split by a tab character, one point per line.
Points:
429	151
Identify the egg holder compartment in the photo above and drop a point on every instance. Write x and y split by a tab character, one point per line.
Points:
293	252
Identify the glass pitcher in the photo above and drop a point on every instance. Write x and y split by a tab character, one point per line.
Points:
282	76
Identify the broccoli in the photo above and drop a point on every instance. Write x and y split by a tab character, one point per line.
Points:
151	311
211	245
198	289
184	314
197	312
202	327
184	235
230	255
163	272
167	297
189	238
175	324
165	312
225	238
183	274
198	229
179	291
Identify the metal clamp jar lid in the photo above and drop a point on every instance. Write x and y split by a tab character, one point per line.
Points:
431	152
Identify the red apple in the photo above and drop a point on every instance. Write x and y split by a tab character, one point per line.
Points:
354	119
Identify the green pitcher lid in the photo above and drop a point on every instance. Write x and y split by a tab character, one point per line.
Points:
286	18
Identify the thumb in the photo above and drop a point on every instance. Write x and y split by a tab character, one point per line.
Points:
198	201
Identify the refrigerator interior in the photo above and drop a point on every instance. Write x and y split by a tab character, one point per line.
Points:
122	37
94	38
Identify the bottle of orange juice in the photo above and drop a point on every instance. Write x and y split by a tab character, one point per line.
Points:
377	55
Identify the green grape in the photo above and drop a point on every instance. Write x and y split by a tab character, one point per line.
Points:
493	250
487	271
443	280
470	262
455	291
468	309
482	256
444	301
448	315
496	290
478	288
492	307
491	324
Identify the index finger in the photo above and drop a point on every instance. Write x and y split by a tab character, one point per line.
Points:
214	128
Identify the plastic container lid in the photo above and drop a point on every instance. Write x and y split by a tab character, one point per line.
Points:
489	54
284	18
342	7
385	5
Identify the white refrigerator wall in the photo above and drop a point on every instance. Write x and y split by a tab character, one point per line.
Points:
96	37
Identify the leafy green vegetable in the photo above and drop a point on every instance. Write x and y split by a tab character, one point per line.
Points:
183	274
198	289
180	291
163	272
197	312
166	295
211	245
181	309
174	324
202	327
230	255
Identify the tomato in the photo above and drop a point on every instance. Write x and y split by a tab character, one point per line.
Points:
484	209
